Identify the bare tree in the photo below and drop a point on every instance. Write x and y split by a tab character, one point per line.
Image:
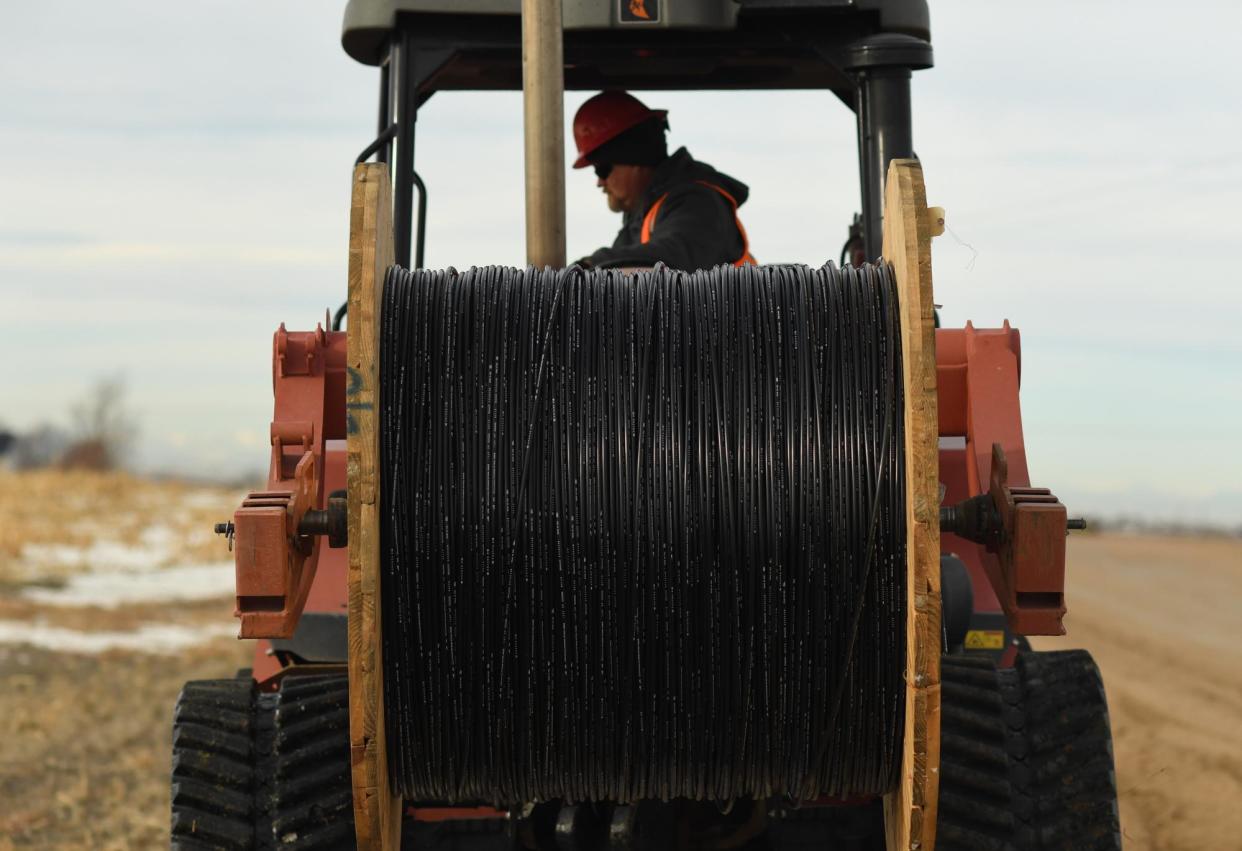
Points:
102	427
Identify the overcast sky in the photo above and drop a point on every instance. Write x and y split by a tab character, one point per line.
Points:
174	182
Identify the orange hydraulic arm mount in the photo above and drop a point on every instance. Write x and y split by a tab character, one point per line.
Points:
1021	528
277	532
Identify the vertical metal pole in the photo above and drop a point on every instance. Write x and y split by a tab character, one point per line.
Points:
543	100
882	65
384	109
866	170
883	135
406	108
420	242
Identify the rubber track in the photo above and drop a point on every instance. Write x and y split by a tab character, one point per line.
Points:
1026	759
1070	782
212	774
304	775
262	771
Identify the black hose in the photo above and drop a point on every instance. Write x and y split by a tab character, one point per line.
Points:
420	226
643	535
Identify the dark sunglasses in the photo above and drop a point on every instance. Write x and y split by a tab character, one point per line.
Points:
602	170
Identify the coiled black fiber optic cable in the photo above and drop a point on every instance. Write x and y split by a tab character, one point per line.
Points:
643	535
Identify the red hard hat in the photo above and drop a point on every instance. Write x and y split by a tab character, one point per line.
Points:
605	117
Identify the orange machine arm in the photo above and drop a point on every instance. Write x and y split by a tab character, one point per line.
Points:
1022	529
276	532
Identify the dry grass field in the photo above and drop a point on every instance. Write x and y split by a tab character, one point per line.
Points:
113	592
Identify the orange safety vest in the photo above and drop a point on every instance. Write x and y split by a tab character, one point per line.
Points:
649	223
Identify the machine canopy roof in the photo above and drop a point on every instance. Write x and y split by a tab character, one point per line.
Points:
639	44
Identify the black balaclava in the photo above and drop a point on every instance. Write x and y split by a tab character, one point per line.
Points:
642	144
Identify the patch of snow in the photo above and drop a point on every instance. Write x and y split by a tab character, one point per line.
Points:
198	537
159	538
61	555
101	555
90	527
126	587
151	638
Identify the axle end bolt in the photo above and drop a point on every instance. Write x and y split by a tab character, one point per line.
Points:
226	529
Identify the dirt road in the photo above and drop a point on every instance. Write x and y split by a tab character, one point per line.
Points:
1163	618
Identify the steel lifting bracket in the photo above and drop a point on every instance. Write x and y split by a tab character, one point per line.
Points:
1025	529
271	552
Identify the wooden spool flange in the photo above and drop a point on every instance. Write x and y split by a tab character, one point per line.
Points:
910	810
377	812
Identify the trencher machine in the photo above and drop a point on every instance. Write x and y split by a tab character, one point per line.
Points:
990	744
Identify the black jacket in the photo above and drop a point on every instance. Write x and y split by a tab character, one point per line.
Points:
695	227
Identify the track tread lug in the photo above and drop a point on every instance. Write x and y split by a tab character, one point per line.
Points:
305	782
211	803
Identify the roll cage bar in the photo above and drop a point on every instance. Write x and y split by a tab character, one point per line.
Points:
838	50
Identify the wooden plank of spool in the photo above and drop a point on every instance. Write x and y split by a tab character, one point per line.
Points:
910	810
377	812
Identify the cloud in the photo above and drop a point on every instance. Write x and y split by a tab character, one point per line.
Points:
248	438
40	238
53	254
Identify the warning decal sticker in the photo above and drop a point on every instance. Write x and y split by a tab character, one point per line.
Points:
640	11
985	639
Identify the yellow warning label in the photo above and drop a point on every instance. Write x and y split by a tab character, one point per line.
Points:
985	639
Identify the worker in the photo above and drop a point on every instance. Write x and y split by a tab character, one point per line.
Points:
675	210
